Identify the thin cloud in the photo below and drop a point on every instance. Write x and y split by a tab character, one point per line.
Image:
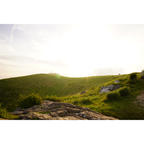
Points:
72	50
26	60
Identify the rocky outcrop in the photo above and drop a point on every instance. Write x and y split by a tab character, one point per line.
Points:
49	110
109	88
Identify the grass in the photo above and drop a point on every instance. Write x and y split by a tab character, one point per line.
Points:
122	108
45	85
83	101
5	115
63	89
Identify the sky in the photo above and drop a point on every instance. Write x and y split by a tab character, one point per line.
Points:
71	50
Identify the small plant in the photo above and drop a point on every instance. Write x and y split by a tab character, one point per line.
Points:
86	101
75	102
3	112
124	91
113	96
133	77
30	101
142	74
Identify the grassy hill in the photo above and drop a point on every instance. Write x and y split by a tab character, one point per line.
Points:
45	85
125	107
64	89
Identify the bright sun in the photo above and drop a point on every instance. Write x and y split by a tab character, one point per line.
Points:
73	50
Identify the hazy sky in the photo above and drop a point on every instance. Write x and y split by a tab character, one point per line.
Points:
71	50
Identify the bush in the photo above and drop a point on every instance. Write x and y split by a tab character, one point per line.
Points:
86	101
75	102
30	101
3	112
142	74
133	77
124	91
113	96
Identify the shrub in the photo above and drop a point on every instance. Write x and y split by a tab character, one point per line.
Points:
30	101
75	102
113	96
3	112
133	77
124	91
86	101
142	74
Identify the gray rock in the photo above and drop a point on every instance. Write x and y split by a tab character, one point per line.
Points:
104	90
142	77
17	112
83	92
117	81
109	88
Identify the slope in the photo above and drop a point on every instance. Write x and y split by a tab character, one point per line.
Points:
45	85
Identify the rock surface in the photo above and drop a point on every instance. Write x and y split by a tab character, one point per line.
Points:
109	88
117	81
83	92
49	110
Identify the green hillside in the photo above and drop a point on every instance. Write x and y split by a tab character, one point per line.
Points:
83	92
124	107
45	85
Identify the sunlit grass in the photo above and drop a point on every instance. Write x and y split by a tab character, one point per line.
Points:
83	92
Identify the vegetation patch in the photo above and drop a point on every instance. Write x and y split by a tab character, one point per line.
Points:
30	100
125	91
5	115
86	101
113	96
46	85
118	103
3	112
83	101
133	78
53	98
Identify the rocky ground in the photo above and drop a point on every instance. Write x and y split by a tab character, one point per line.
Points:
49	110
